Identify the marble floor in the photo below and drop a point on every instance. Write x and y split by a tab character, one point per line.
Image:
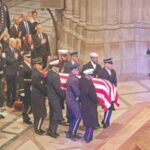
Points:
15	135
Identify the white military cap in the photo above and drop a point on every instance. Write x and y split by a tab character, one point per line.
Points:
88	71
63	51
93	54
54	62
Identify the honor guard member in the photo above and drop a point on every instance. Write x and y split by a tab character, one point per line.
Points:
2	66
73	60
72	100
88	100
38	94
93	63
63	58
108	73
25	72
55	96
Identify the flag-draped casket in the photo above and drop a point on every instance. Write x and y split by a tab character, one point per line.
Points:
106	91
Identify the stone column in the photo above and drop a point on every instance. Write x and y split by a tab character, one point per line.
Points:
76	8
82	10
68	7
111	12
95	13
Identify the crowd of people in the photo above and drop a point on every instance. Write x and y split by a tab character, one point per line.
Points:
24	54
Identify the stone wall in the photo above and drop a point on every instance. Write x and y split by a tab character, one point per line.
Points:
113	28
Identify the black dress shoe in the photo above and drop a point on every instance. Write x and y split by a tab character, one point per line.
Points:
2	117
9	104
38	132
52	134
105	125
68	135
42	131
57	134
27	122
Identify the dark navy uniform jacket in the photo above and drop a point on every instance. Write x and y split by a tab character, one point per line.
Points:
72	95
105	75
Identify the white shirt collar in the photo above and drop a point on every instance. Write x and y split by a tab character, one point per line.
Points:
28	64
108	70
93	64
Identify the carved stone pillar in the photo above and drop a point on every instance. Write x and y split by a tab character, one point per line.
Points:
76	8
68	7
82	6
95	13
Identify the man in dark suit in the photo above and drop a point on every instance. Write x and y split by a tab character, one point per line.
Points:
14	30
25	72
108	73
2	67
55	95
24	26
42	47
92	64
72	100
12	57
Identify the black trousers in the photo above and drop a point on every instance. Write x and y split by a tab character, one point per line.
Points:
38	122
53	124
1	93
44	61
27	102
11	88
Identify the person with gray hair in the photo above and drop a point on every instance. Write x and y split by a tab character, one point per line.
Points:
12	57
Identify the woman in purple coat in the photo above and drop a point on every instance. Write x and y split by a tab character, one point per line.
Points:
88	99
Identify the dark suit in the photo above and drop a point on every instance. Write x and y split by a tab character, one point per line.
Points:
27	48
25	73
89	65
24	30
2	63
14	32
67	66
55	95
105	75
38	94
72	100
42	50
11	75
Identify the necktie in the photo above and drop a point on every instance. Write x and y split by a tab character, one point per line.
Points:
27	27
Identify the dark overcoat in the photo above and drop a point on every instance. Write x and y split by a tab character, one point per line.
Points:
55	94
38	94
111	78
88	100
90	66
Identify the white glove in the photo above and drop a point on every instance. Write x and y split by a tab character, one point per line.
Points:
77	98
22	94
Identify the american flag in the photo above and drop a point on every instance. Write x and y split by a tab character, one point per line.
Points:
106	91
